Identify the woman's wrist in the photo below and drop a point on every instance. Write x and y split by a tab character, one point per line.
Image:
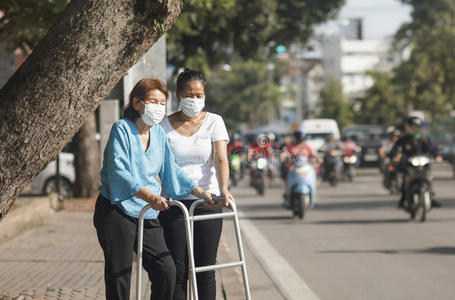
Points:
199	193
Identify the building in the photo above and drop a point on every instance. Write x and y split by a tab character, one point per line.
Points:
348	57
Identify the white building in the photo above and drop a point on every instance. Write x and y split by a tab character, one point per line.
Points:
357	58
348	58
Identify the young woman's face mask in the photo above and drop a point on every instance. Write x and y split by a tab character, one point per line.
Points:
192	98
192	106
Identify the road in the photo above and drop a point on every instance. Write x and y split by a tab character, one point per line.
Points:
356	244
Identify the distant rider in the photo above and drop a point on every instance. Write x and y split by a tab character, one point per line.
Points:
328	149
348	146
293	152
260	148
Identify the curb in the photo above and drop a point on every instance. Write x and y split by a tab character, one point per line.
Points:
25	213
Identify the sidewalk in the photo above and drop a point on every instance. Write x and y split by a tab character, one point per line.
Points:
61	259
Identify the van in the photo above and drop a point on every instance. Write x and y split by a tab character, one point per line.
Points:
317	130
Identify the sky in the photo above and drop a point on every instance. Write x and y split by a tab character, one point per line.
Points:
381	18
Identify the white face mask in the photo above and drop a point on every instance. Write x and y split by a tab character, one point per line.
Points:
153	114
192	106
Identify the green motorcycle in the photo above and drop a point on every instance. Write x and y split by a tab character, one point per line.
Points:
235	165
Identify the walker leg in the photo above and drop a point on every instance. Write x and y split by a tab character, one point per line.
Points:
241	253
189	241
140	241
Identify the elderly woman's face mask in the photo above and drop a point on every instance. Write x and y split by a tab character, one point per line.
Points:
153	113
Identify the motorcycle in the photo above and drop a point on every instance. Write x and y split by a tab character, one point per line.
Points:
332	167
235	163
390	178
258	175
349	163
418	196
301	189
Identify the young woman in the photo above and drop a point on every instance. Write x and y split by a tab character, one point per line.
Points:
136	154
199	142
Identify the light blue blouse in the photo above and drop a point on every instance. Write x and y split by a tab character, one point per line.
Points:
127	168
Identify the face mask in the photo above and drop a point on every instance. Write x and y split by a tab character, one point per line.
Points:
192	106
153	114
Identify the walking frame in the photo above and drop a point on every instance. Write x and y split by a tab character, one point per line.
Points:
190	218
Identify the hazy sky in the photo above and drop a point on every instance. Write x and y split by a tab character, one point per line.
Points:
381	18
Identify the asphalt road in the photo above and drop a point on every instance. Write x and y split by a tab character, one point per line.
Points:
356	244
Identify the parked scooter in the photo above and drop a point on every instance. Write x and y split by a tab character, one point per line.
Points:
301	189
417	180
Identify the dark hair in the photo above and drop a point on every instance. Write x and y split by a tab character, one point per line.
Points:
190	75
140	90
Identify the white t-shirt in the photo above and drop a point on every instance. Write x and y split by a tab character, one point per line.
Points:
194	153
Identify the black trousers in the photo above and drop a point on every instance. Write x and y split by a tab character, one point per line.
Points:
117	235
206	239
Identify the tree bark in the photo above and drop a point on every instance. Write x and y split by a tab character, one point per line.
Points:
66	77
86	159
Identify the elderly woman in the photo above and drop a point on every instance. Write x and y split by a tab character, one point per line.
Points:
136	154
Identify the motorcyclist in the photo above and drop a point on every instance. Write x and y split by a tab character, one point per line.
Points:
260	147
412	143
299	148
348	146
292	152
387	166
236	154
328	149
393	134
236	145
287	142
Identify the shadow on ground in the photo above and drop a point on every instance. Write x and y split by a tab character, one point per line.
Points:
357	204
445	250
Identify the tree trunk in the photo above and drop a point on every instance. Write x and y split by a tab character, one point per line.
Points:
86	159
68	74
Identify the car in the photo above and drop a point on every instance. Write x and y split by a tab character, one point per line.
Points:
46	181
444	140
317	130
369	138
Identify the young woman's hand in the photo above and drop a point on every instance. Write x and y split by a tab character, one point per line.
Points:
227	196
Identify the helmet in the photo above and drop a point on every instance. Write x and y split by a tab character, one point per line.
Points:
271	136
392	131
299	135
414	121
262	139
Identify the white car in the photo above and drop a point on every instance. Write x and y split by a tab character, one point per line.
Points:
46	181
317	130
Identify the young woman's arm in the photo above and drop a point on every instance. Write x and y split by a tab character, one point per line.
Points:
222	169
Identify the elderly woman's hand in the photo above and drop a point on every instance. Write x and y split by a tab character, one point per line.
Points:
209	198
158	203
